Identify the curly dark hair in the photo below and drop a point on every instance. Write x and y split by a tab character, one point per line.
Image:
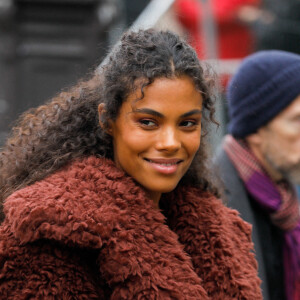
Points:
67	127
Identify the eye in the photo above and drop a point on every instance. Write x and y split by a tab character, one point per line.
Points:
189	123
147	123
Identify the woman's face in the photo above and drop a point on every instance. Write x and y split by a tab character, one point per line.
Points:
155	139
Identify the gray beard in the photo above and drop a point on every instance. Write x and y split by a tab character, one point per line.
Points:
288	172
293	174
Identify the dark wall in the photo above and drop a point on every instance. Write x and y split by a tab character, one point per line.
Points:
46	45
133	8
281	29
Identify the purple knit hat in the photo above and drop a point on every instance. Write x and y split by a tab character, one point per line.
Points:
265	83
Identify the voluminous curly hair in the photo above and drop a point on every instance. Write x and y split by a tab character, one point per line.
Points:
67	127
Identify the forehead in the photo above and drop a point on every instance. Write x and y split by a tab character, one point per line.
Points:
178	91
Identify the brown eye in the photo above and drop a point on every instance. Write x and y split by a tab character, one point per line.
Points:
147	123
188	123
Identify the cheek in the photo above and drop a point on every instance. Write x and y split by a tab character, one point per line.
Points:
290	143
283	147
133	143
285	136
294	149
297	145
192	143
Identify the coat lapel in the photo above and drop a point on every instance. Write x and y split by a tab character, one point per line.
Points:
218	242
92	204
197	250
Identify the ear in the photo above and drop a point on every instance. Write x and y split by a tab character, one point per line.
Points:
255	139
101	112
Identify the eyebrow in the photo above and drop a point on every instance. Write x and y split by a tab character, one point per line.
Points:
158	114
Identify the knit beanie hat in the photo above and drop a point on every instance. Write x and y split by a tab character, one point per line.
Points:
265	83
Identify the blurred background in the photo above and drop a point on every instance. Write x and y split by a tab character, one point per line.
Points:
47	45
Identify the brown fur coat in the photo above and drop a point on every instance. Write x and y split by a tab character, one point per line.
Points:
89	232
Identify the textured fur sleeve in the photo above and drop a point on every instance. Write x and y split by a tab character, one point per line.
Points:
44	270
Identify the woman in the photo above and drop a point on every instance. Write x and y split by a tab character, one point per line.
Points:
106	190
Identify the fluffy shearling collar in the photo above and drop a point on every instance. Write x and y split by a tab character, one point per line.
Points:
200	250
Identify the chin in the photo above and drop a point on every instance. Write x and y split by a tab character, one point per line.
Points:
163	189
293	173
295	177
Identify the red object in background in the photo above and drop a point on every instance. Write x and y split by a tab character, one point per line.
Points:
234	39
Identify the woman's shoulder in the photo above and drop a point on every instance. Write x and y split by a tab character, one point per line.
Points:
76	178
65	204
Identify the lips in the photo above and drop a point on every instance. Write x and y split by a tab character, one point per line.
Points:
163	165
164	161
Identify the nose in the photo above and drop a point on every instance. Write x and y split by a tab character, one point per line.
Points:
168	140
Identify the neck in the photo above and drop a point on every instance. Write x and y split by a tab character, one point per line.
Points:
271	171
155	197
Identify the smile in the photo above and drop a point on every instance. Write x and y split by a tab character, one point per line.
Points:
164	166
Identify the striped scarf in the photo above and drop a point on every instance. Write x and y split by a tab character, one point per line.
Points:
279	200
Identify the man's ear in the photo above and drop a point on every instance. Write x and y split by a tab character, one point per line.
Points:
255	138
101	112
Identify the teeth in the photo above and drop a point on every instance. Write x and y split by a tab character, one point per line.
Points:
164	164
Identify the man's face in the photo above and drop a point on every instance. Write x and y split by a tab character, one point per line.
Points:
280	142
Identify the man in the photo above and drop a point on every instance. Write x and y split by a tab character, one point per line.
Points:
259	159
